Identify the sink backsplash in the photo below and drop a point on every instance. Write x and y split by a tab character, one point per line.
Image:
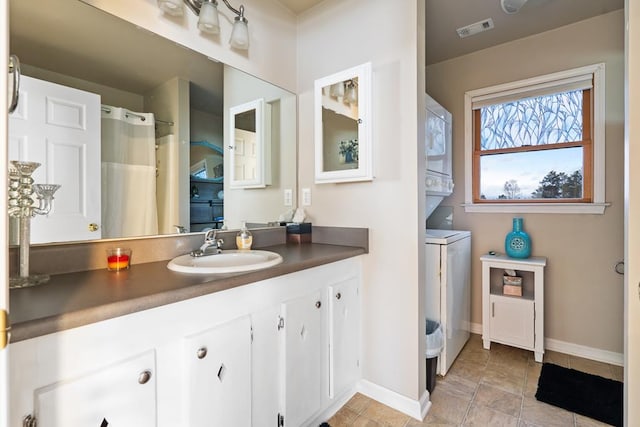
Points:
82	256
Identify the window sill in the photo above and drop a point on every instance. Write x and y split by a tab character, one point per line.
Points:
544	208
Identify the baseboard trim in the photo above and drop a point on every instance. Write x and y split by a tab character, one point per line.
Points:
475	328
335	406
590	353
415	409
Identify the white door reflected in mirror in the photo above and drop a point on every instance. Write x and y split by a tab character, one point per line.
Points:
249	144
342	126
59	127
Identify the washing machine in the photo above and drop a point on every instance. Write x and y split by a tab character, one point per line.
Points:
448	291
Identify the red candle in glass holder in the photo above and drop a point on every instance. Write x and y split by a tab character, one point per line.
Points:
118	259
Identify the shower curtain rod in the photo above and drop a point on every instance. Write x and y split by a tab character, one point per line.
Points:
130	114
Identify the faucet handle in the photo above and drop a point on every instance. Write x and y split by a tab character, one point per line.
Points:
210	236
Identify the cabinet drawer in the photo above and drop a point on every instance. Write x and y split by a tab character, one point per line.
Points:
512	321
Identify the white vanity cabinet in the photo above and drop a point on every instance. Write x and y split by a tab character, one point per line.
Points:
254	355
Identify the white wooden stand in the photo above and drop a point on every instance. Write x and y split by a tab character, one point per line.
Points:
517	321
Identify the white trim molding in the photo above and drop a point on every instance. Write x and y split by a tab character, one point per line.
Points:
337	404
572	349
598	206
415	409
585	352
544	208
475	328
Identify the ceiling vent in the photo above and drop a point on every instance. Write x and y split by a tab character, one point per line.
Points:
476	28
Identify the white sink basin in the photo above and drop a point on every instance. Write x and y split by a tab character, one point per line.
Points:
230	261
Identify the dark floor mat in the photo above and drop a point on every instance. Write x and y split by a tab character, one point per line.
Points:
585	394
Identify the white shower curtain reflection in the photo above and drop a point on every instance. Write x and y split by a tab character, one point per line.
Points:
128	174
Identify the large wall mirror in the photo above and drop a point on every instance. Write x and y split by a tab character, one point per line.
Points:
157	116
343	126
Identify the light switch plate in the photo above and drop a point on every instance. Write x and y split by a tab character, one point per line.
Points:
288	197
306	197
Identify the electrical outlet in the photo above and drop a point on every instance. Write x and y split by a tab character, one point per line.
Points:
306	197
288	197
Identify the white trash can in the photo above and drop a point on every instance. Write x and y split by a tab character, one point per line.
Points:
435	343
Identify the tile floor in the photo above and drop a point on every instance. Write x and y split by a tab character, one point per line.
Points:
483	388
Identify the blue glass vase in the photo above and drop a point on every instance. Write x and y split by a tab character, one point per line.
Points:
517	244
348	157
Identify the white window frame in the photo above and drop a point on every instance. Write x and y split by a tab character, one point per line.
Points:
598	205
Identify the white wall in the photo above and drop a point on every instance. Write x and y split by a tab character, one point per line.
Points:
170	102
583	294
334	36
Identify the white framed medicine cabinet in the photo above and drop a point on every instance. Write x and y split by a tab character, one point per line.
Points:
250	145
343	142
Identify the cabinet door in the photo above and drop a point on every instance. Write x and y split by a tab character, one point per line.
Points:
302	357
122	395
218	363
344	336
266	398
512	321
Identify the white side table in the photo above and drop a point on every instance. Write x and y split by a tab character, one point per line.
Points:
517	321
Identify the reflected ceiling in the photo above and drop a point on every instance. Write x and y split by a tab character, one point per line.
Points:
128	61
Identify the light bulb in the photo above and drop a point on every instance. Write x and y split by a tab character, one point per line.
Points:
240	34
171	7
208	21
352	93
337	90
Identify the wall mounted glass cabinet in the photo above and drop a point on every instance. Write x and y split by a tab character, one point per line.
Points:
249	145
342	107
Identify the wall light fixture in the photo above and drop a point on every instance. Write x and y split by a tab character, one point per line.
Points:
208	21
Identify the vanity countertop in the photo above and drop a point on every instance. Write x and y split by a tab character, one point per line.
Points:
75	299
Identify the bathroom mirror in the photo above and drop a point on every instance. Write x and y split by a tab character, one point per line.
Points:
249	144
73	44
342	108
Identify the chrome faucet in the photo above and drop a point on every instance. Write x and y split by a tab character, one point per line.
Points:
209	241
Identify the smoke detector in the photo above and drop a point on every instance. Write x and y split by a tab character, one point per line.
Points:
476	28
512	6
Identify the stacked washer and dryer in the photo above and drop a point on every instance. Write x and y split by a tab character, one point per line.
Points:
448	252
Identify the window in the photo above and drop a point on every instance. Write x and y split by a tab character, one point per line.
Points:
199	169
537	145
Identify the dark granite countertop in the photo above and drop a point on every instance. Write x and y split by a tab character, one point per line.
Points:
75	299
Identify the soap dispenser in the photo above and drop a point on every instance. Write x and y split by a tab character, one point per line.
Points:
244	239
